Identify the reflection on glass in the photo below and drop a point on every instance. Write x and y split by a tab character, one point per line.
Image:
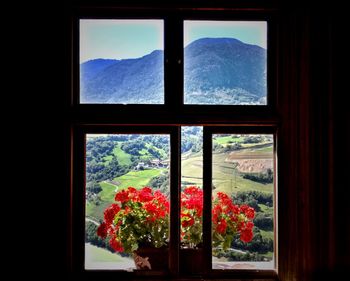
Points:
127	198
243	205
225	62
121	61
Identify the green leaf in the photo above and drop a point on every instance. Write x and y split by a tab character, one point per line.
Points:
227	242
218	237
134	247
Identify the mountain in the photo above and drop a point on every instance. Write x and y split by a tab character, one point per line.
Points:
91	68
224	70
217	70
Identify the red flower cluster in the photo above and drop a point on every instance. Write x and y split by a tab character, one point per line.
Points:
138	217
228	219
142	217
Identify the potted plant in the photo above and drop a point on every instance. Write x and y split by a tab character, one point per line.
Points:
228	221
138	223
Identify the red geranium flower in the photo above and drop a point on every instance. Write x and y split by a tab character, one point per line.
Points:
142	217
228	219
138	216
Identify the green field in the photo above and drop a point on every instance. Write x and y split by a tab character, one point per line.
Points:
224	177
192	170
225	180
122	156
95	212
268	149
108	191
137	179
227	139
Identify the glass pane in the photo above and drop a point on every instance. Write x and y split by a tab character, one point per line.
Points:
243	205
225	62
127	199
121	61
191	186
191	156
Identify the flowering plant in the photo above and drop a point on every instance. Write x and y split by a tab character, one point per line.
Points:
228	219
141	217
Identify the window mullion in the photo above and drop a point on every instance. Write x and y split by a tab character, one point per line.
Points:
207	190
175	180
173	71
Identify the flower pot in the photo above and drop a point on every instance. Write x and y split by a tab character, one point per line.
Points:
151	258
191	260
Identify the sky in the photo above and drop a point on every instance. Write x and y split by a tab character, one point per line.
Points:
119	39
250	32
123	39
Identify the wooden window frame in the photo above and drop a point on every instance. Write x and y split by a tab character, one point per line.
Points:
208	132
282	113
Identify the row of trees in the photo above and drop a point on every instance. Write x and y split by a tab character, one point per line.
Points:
262	221
96	172
264	178
191	139
253	198
161	182
153	144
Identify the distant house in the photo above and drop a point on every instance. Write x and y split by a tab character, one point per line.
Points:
140	165
155	163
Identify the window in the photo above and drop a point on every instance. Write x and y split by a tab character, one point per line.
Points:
225	62
121	61
115	162
243	166
187	104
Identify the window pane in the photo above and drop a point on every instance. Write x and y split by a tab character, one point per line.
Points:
191	156
243	205
225	62
118	168
121	61
191	186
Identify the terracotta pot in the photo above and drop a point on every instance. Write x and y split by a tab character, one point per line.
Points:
191	260
151	258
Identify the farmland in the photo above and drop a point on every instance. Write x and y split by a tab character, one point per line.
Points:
242	167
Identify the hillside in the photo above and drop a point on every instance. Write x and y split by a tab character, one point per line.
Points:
217	70
242	168
224	70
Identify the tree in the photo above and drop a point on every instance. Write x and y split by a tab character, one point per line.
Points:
93	187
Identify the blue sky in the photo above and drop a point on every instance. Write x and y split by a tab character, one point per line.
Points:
121	39
250	32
